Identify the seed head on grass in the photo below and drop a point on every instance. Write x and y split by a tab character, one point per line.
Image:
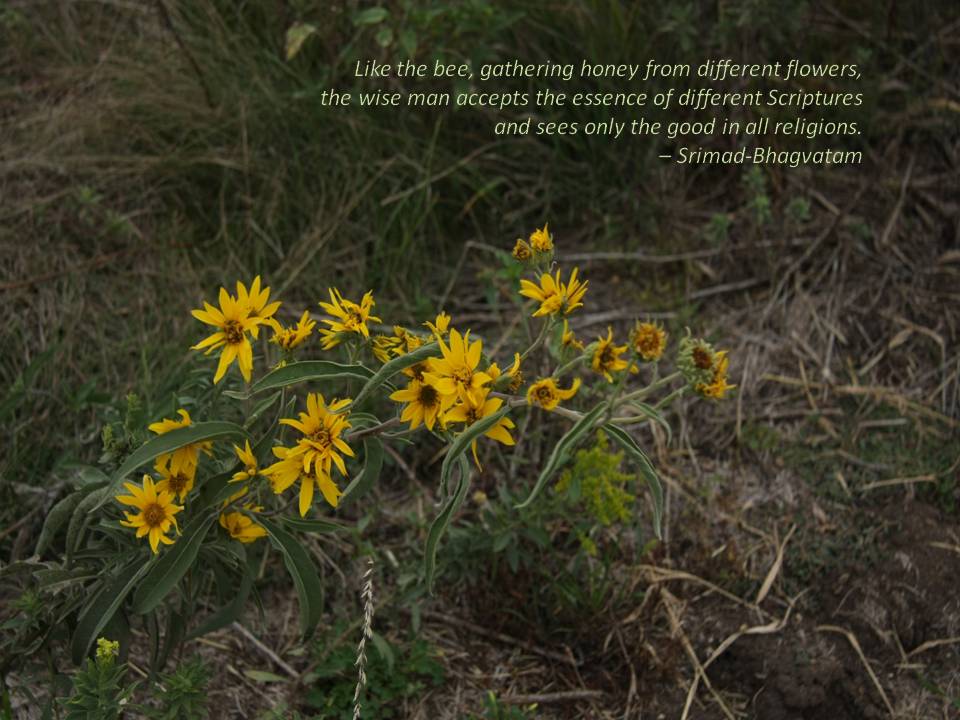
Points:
361	661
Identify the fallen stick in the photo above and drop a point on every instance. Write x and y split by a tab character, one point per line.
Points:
557	697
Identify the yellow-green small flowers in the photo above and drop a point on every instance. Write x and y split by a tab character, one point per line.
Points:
107	650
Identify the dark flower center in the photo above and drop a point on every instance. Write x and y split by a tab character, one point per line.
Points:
177	483
428	396
154	515
233	331
322	438
702	358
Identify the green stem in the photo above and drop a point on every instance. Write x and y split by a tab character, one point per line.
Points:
671	397
643	392
567	367
548	323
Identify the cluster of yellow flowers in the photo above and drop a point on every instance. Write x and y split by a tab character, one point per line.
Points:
455	388
155	499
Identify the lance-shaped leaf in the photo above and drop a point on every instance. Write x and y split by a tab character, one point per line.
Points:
372	465
304	371
81	517
233	609
563	448
303	572
172	566
393	367
442	522
103	605
463	441
313	525
170	441
655	415
58	516
626	441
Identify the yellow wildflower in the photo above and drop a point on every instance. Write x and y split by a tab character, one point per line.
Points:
423	403
547	394
553	295
185	458
289	469
156	514
314	454
568	339
255	300
178	483
382	347
456	372
290	337
717	387
522	252
696	359
541	241
439	326
234	321
649	340
250	470
606	356
350	317
473	409
241	526
513	378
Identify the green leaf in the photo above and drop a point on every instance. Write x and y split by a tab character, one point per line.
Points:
102	606
371	16
384	36
170	441
87	475
562	449
372	465
626	441
312	525
442	521
260	409
655	415
384	649
173	565
303	572
298	372
58	516
463	441
82	515
232	610
296	36
408	42
393	367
